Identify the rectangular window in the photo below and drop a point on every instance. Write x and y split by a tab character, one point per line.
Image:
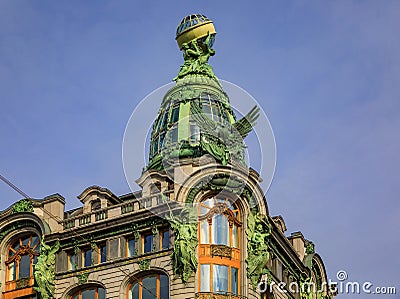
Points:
175	115
165	239
12	275
204	235
147	243
194	133
234	280
103	253
235	237
205	278
87	257
131	247
174	134
72	263
24	266
220	278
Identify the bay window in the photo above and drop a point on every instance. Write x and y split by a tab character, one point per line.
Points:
219	246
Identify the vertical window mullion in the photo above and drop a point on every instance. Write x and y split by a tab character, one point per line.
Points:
16	269
158	286
229	279
211	277
141	288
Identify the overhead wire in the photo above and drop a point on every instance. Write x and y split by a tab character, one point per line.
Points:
60	221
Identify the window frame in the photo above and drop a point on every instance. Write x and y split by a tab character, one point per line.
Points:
83	259
100	256
161	233
139	281
143	237
80	290
30	251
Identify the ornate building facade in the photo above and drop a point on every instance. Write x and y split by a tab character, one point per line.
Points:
199	227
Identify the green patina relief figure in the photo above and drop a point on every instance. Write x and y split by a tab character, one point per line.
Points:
306	288
221	139
258	233
23	205
184	256
45	270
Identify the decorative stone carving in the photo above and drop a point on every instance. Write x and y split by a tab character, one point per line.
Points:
221	250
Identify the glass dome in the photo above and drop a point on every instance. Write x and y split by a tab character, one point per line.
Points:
195	27
191	22
174	122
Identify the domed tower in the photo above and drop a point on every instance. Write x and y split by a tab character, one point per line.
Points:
195	117
225	245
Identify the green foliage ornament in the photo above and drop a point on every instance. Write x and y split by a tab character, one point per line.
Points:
23	205
45	270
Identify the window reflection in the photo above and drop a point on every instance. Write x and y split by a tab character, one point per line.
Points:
220	280
220	230
150	287
90	293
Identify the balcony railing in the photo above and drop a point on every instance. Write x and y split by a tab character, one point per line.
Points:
131	206
19	284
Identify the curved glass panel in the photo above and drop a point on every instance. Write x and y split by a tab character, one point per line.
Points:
204	235
204	278
220	230
220	278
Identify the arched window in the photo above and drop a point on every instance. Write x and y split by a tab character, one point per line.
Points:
219	246
21	257
89	293
154	286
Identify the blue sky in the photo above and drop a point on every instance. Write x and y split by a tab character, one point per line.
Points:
327	73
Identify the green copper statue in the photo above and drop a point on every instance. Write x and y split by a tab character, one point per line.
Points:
221	139
196	54
45	270
257	248
184	256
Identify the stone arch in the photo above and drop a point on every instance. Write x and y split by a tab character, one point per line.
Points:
232	180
